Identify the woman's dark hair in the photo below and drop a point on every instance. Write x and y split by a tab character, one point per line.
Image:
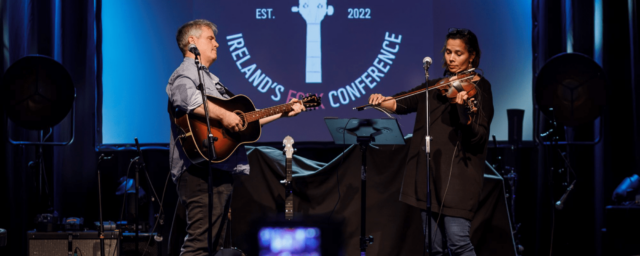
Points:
469	39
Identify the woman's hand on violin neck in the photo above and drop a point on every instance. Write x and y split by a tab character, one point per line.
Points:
382	101
461	98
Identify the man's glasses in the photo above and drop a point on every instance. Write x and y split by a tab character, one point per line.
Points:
462	31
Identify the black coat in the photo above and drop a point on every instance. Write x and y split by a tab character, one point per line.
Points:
458	152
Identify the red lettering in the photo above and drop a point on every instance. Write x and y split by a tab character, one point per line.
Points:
320	95
300	95
289	96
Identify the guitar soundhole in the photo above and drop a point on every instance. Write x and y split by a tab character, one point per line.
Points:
242	117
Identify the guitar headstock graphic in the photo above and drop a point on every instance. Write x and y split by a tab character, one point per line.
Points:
313	11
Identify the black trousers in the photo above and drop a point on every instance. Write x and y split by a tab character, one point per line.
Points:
193	193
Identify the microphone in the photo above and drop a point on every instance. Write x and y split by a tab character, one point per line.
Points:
426	62
560	202
193	49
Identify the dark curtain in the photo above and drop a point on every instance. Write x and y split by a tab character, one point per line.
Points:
64	31
619	60
558	231
598	169
635	71
319	188
547	29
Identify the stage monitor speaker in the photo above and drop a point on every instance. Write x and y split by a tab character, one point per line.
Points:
146	245
59	243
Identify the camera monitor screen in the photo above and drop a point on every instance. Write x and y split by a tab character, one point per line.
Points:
289	241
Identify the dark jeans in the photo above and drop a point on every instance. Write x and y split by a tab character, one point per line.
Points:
193	193
456	234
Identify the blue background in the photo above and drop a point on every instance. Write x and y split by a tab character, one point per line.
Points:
140	53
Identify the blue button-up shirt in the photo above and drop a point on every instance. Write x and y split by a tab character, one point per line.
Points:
185	97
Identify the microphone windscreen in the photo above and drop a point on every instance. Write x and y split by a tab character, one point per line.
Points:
426	60
193	49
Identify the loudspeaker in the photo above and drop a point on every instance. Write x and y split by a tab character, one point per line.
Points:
59	243
147	245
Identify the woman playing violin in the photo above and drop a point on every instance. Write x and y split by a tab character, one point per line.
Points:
458	145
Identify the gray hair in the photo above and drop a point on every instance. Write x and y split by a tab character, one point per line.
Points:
192	28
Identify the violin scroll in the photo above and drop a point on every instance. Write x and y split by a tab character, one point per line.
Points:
471	105
463	81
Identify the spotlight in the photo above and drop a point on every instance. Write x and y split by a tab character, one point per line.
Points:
627	190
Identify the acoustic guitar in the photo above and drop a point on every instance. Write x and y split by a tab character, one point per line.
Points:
194	129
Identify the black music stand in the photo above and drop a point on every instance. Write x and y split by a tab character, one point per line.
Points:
364	132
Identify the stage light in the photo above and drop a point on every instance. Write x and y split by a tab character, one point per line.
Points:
39	92
627	190
570	89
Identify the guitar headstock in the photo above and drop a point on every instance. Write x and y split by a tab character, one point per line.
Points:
288	146
311	101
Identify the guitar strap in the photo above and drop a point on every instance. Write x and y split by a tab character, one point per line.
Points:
226	90
170	109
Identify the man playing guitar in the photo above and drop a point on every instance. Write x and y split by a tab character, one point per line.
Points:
191	179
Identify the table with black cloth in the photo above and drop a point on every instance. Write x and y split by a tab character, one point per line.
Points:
396	226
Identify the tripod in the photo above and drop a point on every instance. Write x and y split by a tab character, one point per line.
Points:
140	165
508	174
101	231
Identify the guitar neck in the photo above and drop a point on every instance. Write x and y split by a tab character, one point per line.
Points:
289	170
288	204
259	114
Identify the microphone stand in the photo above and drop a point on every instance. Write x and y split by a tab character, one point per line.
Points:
141	165
101	233
212	154
136	224
428	155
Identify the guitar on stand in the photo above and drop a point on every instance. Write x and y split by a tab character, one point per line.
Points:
194	138
288	187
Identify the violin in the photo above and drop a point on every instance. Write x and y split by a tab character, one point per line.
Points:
449	87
